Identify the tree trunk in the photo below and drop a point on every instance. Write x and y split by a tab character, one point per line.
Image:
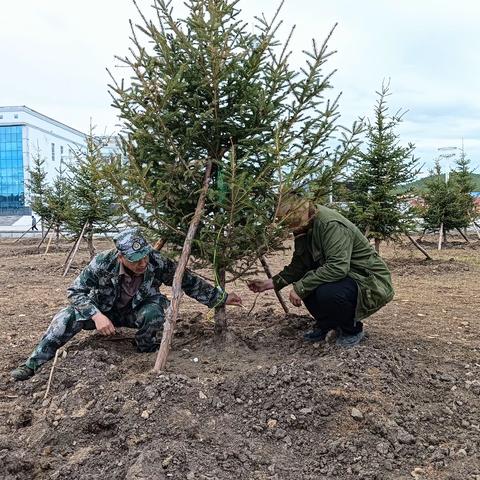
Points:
172	311
91	246
220	312
377	245
57	238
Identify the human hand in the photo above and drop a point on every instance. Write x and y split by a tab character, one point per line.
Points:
295	299
234	299
258	286
103	324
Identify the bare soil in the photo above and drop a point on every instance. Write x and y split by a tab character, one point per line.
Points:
263	405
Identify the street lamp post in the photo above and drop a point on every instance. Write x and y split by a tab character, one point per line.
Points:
447	156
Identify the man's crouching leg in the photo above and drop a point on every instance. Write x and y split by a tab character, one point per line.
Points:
62	328
149	321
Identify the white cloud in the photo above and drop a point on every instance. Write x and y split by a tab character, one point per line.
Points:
54	55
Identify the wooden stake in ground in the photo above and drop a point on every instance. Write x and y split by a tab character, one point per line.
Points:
269	275
418	246
43	238
51	375
23	234
75	249
70	252
172	311
475	226
49	242
463	235
440	237
159	244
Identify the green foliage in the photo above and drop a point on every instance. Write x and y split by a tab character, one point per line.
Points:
93	200
210	87
37	186
464	184
377	207
58	201
51	202
449	202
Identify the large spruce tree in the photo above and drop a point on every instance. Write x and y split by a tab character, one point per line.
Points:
377	207
210	88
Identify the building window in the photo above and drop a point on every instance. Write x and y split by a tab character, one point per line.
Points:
16	115
1	117
11	169
53	152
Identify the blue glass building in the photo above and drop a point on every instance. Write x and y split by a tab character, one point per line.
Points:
12	189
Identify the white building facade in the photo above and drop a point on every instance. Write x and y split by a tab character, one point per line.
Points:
25	133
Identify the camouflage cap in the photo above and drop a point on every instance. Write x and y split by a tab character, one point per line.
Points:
132	245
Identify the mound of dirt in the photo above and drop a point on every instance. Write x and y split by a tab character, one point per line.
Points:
277	409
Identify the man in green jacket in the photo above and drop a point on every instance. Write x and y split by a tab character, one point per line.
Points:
334	270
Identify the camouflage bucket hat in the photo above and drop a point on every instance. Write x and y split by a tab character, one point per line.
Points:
132	245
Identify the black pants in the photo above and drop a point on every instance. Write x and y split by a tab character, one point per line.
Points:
333	305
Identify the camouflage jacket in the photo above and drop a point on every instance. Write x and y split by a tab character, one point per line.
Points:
98	285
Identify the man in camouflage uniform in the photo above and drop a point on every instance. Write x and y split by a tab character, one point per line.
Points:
120	288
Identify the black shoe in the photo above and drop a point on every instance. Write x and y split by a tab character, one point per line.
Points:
22	373
315	335
349	341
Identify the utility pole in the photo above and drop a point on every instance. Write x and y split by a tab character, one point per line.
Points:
447	156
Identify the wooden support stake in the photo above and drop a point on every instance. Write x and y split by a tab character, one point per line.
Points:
440	237
266	268
70	251
418	246
23	234
159	244
477	230
75	250
463	235
51	375
172	311
43	238
49	242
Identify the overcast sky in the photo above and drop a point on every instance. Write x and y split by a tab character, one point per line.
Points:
54	56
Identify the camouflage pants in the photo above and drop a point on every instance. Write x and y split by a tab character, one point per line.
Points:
148	318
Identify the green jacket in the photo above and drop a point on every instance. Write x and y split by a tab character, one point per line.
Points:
334	248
